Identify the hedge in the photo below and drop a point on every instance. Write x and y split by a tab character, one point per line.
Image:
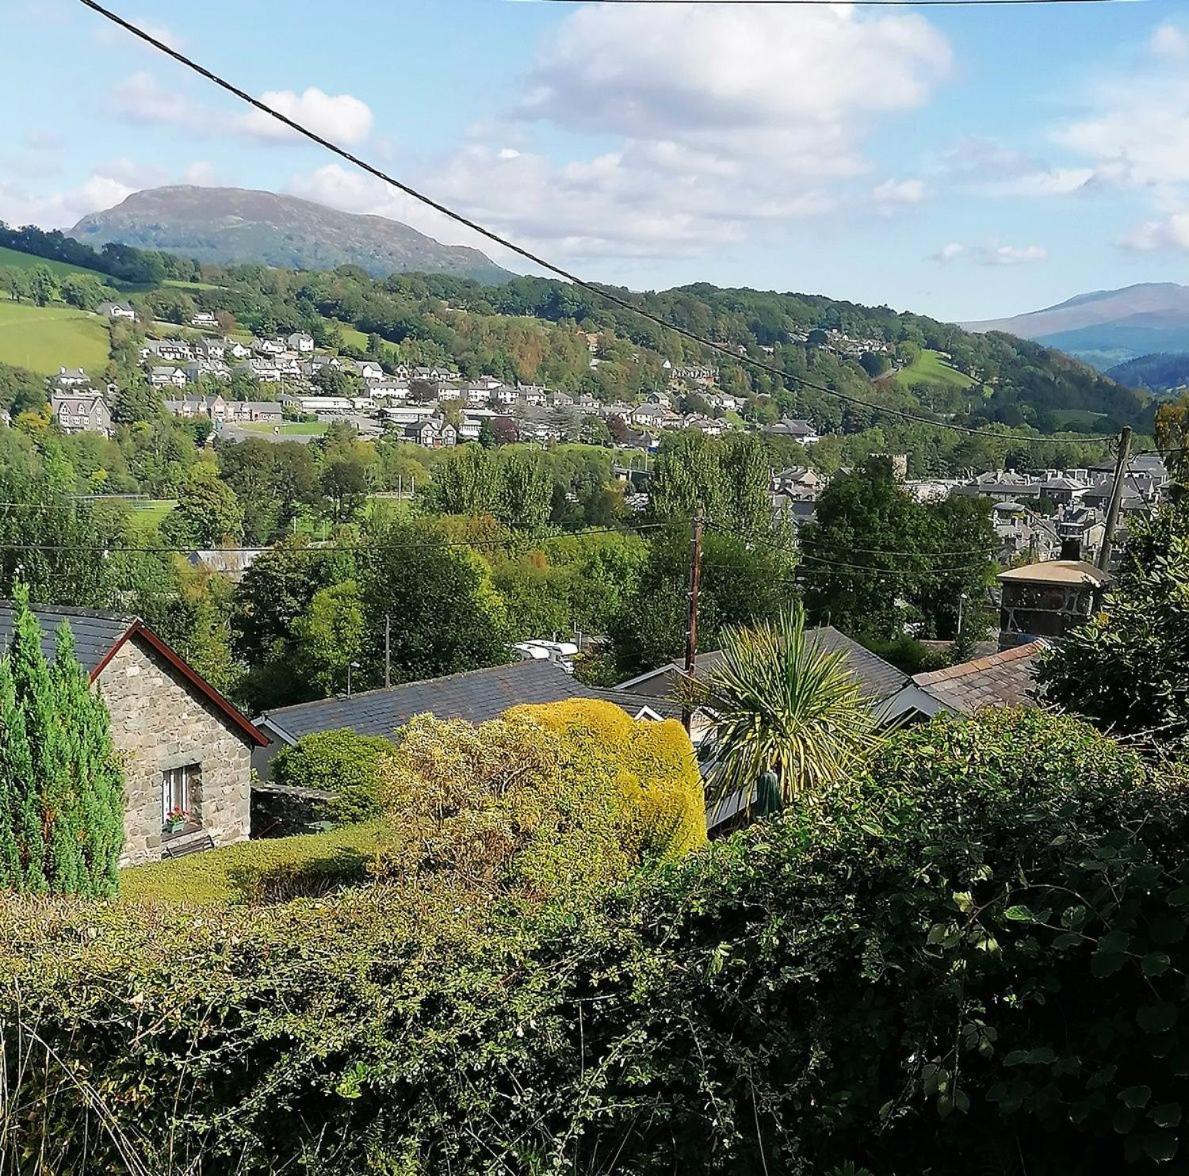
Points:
270	870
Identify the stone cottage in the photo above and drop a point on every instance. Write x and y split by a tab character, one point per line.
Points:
186	750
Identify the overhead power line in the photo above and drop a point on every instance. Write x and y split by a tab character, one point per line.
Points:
544	263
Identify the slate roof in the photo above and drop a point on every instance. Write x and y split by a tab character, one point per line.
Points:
475	695
878	678
1057	571
1002	679
95	633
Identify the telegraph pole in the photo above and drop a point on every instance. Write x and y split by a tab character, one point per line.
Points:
691	628
1112	510
387	651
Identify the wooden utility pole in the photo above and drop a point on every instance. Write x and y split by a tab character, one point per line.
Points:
387	651
1112	510
691	627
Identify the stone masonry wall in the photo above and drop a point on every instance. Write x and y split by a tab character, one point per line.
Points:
158	722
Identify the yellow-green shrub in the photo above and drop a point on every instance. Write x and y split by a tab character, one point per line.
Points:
656	771
270	870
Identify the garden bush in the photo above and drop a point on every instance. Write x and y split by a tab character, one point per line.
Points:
339	762
974	959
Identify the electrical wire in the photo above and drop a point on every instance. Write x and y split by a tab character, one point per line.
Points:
552	267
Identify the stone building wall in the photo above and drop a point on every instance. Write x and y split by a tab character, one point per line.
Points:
159	722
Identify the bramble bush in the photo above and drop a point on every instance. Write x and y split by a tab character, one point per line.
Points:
972	958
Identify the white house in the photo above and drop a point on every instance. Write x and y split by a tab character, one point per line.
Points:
301	342
117	310
167	376
71	378
204	319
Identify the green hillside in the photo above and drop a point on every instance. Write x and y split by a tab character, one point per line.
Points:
44	338
930	368
13	257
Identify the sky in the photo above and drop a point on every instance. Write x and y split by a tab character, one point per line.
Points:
965	163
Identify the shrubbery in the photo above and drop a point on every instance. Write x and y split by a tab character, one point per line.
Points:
338	762
974	958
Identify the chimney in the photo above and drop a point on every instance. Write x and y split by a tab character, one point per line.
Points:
1071	549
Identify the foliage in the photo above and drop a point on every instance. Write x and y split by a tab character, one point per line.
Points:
207	513
339	762
513	486
974	954
741	583
785	703
726	480
871	546
1125	668
331	635
444	613
1172	436
61	787
272	870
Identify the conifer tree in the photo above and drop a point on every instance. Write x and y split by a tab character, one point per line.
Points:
61	788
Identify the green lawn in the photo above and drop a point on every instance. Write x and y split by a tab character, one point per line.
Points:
1076	418
930	368
44	338
287	428
146	516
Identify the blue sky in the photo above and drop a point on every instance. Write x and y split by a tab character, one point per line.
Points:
964	163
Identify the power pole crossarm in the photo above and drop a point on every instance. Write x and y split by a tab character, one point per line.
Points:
1112	510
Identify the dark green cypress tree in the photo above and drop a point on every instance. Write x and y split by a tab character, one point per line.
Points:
61	787
22	797
96	821
13	751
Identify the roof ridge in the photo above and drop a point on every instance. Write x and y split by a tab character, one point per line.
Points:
415	682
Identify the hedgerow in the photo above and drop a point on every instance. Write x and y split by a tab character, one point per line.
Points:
972	959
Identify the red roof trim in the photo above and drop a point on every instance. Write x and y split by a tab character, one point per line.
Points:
139	629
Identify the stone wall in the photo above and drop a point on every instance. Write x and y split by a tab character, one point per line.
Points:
159	721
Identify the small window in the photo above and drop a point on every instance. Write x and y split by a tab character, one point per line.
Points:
180	797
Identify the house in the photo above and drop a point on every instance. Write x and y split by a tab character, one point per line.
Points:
532	394
268	411
169	350
81	412
117	310
432	434
71	378
300	342
167	376
183	745
268	346
204	320
1005	678
475	695
370	371
802	432
1046	599
235	349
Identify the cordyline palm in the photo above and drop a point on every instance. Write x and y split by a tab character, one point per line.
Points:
783	702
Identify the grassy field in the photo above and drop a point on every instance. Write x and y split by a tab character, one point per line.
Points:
1079	419
20	260
44	338
351	336
287	428
930	368
146	516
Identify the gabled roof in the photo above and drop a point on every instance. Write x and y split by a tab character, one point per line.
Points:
474	695
98	637
1001	679
879	679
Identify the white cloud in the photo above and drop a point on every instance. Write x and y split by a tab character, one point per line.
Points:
950	251
109	34
1169	41
140	98
60	210
1171	232
1055	181
899	193
992	253
341	117
1012	254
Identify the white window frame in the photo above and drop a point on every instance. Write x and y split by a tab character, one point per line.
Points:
177	790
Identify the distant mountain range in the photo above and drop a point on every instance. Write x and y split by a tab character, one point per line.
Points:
239	225
1109	327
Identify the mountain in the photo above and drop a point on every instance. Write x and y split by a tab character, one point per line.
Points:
1107	327
1154	373
232	225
